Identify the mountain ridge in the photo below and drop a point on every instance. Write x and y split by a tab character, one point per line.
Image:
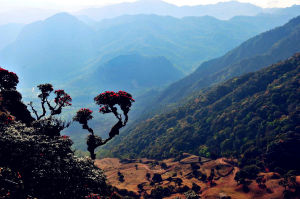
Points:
61	51
232	8
246	114
242	58
56	41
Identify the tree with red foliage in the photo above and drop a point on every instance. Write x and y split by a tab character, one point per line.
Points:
108	102
10	99
5	118
8	80
35	160
61	100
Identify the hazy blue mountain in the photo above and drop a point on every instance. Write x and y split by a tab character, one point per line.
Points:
293	10
62	46
8	33
224	10
257	52
185	42
133	73
50	49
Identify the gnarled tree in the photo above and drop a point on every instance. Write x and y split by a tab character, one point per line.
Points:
108	102
62	99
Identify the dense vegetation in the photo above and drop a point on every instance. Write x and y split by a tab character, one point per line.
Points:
35	160
254	54
254	117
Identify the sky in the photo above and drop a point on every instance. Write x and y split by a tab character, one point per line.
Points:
73	5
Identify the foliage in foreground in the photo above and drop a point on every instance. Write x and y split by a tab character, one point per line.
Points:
35	160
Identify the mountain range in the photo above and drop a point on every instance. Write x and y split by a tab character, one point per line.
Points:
182	106
254	117
50	49
128	53
212	119
257	52
223	10
62	47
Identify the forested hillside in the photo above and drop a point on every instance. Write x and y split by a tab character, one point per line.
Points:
257	52
254	54
254	117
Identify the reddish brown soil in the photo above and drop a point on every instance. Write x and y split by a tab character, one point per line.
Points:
224	185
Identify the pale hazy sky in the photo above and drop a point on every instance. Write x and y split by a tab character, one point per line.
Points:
72	5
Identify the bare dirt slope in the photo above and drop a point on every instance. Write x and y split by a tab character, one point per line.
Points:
224	185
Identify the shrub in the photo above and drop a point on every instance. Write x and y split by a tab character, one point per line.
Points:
156	178
196	188
121	176
160	192
191	195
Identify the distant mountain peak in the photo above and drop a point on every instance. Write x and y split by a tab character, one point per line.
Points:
62	16
66	20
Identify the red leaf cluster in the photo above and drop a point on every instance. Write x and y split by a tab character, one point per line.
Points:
6	119
62	98
83	115
109	99
65	137
8	80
